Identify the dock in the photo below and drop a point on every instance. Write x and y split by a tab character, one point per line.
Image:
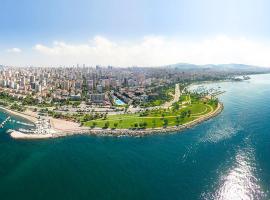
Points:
217	93
4	122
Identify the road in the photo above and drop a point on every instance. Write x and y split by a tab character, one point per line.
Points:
177	94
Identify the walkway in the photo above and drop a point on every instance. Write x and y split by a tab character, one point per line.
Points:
177	94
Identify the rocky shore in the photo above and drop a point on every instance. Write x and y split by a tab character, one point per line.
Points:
119	132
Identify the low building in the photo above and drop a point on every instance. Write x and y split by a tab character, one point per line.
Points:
75	97
97	98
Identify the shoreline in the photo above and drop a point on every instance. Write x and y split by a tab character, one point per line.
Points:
62	128
26	116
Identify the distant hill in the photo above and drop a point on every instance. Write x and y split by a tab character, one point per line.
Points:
219	67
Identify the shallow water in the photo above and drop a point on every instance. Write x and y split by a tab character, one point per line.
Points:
226	157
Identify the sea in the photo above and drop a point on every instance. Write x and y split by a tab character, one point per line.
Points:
226	157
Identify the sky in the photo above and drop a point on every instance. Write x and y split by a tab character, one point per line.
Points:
134	32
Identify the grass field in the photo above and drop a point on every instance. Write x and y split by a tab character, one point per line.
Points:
156	118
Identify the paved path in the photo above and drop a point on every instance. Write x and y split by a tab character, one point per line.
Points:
177	94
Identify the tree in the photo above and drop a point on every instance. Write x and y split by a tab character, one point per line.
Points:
76	104
94	124
188	113
29	100
175	106
87	117
136	125
163	115
106	125
115	124
154	123
177	120
165	122
96	116
144	124
183	114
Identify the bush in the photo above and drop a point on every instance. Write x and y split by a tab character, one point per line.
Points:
165	122
106	125
93	125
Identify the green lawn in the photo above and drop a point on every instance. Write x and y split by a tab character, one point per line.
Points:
155	118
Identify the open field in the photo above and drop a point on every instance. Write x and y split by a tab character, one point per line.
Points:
155	118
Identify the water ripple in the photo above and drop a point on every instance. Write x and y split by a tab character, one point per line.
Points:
240	181
220	131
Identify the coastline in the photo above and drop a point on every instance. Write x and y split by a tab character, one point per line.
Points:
61	128
27	116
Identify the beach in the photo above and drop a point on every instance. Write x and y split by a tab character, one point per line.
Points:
59	127
28	115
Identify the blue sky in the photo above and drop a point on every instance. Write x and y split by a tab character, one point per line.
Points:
27	23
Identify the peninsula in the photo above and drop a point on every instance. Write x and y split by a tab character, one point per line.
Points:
109	101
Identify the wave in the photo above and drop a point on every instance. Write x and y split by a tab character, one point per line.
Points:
221	131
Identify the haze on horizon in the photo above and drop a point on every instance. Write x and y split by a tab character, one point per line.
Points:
135	32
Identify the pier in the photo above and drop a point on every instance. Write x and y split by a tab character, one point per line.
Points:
4	122
217	93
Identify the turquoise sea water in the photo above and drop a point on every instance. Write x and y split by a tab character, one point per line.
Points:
227	157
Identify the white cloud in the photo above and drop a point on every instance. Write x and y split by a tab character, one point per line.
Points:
156	51
14	50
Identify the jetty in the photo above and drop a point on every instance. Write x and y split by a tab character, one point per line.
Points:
4	122
217	93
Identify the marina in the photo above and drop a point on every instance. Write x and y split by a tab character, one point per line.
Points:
41	127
